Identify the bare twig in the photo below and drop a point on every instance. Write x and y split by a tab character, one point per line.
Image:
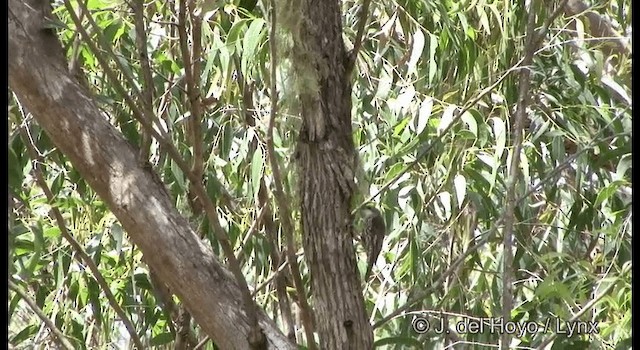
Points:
282	201
514	173
62	339
202	343
364	14
276	273
192	69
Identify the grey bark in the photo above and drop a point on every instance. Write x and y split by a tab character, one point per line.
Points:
326	160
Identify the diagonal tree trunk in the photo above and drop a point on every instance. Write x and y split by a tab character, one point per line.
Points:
326	158
75	124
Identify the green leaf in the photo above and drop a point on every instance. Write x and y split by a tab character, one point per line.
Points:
608	191
500	135
624	344
252	39
416	51
460	183
257	164
468	119
118	234
623	165
423	116
385	82
447	118
178	176
54	23
558	151
433	45
233	38
26	333
51	232
550	288
162	339
34	260
15	168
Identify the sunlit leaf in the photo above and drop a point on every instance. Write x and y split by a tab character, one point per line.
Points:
460	184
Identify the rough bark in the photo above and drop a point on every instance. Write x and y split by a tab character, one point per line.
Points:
109	164
326	160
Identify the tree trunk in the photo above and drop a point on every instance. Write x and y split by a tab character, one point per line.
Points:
326	158
75	124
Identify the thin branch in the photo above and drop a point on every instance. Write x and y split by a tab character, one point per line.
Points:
545	26
202	343
533	41
62	339
426	151
106	47
191	60
280	268
250	232
148	88
282	201
277	253
353	55
265	219
514	173
81	255
194	95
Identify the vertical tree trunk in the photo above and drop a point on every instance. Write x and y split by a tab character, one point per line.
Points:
326	160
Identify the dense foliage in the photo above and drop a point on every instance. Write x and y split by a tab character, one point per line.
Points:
435	91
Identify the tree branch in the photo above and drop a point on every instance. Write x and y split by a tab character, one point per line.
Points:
210	208
147	89
81	255
62	339
353	55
